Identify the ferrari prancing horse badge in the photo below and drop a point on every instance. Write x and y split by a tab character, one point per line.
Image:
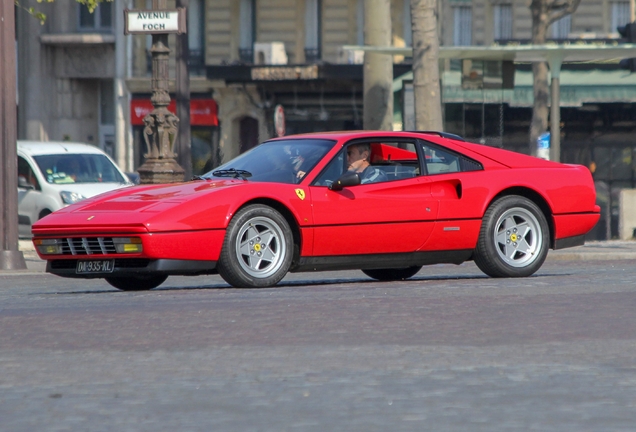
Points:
300	193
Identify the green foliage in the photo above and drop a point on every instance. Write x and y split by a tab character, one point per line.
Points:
90	4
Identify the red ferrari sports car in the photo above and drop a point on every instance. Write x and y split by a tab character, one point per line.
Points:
383	202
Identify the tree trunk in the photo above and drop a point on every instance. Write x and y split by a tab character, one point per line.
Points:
539	123
426	87
544	13
378	68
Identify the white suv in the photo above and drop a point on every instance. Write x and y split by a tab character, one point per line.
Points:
52	175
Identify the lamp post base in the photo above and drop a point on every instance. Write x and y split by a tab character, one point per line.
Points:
12	260
155	171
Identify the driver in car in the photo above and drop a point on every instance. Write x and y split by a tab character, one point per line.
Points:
358	160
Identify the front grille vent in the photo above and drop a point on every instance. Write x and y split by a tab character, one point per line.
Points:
88	246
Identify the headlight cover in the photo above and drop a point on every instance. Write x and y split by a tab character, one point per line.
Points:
69	197
128	244
48	246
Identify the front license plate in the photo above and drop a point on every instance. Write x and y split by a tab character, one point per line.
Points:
96	266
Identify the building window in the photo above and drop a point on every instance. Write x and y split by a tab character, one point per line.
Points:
313	26
100	20
462	26
561	28
619	15
195	37
247	18
503	22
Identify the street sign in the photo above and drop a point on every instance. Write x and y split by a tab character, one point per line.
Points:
154	21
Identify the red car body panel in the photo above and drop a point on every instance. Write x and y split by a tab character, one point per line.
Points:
442	212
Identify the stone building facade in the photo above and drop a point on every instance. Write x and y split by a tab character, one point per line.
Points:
81	79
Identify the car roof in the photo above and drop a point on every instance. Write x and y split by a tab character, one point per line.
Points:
35	148
349	134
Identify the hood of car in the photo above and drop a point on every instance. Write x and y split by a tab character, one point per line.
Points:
147	196
154	207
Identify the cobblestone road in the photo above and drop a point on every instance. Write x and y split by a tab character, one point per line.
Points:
451	350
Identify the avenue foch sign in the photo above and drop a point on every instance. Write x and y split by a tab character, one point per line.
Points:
154	21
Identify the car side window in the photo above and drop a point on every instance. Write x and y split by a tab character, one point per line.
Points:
397	160
441	161
385	161
332	171
26	174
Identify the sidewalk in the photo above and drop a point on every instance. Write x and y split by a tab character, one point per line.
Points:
595	250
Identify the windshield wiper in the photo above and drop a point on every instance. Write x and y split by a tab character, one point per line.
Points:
242	174
198	177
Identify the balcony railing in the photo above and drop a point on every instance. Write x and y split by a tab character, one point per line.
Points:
312	55
246	55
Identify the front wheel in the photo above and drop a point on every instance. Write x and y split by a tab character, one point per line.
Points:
392	274
514	238
257	250
136	283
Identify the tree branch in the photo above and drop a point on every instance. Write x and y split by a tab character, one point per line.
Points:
90	4
559	9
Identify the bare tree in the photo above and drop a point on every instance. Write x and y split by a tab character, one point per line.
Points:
378	68
426	88
544	13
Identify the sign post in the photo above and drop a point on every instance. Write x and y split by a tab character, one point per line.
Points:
279	120
161	125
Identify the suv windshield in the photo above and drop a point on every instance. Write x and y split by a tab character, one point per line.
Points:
284	161
78	168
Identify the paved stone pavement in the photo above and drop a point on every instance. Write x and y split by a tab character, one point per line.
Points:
450	350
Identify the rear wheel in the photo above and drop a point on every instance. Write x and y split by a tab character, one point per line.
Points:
257	250
514	238
392	274
136	283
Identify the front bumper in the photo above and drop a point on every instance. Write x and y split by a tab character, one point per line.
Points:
127	267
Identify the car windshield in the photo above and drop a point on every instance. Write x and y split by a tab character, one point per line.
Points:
284	161
78	168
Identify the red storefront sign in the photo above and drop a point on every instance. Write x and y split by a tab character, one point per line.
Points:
203	112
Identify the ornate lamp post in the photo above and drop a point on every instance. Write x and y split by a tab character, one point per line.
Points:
161	126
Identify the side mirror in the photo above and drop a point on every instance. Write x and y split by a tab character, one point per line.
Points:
24	184
347	179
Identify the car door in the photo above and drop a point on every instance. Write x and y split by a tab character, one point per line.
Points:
390	216
452	180
29	197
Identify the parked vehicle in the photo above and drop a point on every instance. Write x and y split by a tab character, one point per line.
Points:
294	204
52	175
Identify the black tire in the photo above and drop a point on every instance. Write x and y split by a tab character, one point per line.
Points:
136	283
392	274
514	238
258	248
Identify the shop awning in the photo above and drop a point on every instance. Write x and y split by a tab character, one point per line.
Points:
203	112
571	53
554	54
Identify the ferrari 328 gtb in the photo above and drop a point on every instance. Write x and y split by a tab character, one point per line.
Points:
386	203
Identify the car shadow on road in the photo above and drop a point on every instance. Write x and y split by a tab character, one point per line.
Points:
303	283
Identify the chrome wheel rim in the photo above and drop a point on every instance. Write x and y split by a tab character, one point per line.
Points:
518	237
260	247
